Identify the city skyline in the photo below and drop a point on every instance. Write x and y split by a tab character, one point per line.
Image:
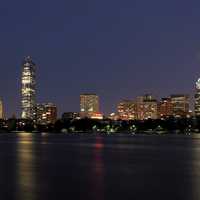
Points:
140	48
100	99
90	105
28	59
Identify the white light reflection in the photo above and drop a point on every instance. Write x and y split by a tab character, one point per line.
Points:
25	167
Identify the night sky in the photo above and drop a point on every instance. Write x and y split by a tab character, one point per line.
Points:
115	48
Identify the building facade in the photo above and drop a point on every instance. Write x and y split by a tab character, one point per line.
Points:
28	89
1	109
70	116
89	105
46	113
197	99
127	110
165	108
180	105
146	107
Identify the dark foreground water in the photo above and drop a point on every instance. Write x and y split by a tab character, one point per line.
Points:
47	167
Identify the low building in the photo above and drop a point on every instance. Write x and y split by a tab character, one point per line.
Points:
96	115
126	110
70	115
197	99
180	105
165	108
146	107
113	116
46	113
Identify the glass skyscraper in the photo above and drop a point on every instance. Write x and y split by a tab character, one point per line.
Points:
28	89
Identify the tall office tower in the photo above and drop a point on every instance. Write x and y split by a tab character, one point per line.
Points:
127	110
146	107
180	105
28	89
1	109
165	108
197	99
46	113
89	105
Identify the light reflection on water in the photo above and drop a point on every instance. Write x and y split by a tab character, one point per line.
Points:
97	170
53	166
194	168
25	172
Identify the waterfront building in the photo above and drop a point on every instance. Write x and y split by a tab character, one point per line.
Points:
89	105
127	110
165	108
1	109
28	89
146	107
180	105
197	99
46	113
113	116
70	116
96	115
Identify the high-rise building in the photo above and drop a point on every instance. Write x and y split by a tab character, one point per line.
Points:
180	105
165	108
146	107
46	113
28	89
197	99
1	109
127	110
89	105
139	108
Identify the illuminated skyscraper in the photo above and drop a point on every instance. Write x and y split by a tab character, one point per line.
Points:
89	105
197	99
28	89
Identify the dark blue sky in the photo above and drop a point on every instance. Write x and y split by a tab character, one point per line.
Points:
117	49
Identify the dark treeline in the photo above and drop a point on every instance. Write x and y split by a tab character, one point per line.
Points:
161	126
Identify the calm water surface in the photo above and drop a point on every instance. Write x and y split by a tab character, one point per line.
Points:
57	166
